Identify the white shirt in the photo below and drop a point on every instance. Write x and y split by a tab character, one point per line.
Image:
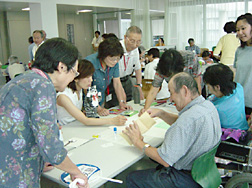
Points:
129	61
15	69
96	41
63	116
150	69
35	48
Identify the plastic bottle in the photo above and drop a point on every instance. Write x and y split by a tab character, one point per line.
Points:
136	94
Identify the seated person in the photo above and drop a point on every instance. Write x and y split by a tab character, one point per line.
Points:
160	42
227	96
205	58
14	68
193	132
70	101
193	47
150	68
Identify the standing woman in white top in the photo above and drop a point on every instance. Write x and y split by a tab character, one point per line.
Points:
70	101
243	58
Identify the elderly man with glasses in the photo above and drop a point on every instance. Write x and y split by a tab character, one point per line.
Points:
128	63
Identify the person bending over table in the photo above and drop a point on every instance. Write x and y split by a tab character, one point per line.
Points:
70	101
170	63
227	96
28	119
243	54
194	131
106	69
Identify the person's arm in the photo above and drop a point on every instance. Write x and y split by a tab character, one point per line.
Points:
65	102
149	99
198	80
167	117
139	81
135	136
120	93
68	166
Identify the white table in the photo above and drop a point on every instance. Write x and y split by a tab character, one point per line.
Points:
111	154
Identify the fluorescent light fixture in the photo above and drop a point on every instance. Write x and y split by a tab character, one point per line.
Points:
26	9
85	10
128	13
157	11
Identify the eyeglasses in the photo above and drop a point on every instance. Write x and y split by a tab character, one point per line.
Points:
132	41
114	59
76	73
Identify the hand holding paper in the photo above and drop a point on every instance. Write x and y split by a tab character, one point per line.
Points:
134	132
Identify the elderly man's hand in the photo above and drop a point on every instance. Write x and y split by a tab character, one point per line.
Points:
133	133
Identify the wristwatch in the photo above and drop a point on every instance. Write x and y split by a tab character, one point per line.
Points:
122	101
146	146
141	85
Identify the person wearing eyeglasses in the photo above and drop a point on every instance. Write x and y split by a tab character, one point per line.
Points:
106	67
128	63
30	138
70	101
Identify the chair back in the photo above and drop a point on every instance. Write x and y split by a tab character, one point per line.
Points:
205	171
146	85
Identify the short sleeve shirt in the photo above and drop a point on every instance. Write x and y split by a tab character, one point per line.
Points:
102	78
192	67
129	61
196	131
194	48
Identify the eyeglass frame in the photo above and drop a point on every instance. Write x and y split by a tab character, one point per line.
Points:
114	60
76	72
132	41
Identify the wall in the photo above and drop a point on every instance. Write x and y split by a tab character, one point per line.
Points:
83	30
19	32
4	45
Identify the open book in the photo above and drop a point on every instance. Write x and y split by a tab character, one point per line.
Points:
144	122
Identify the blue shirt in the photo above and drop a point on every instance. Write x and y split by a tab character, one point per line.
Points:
193	48
30	47
231	109
102	78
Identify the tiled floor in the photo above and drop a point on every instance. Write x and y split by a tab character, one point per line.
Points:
144	163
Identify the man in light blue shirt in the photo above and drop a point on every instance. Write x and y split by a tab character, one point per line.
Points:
193	132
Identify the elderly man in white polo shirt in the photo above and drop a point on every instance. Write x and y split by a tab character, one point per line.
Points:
127	64
193	132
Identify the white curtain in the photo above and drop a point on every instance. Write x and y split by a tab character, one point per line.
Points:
202	20
140	17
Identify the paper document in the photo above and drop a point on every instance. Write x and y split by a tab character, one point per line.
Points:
144	122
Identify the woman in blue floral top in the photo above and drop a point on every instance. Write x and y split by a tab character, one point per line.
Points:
29	134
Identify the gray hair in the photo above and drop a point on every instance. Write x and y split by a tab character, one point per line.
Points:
13	59
187	80
133	29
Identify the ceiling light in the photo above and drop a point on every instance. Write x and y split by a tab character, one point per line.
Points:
128	13
26	9
85	10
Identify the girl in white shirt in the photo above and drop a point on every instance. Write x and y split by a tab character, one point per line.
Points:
70	101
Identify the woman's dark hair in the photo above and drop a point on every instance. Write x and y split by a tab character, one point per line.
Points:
154	52
190	40
229	27
205	53
85	68
171	62
53	51
109	35
221	75
30	39
110	47
248	18
162	40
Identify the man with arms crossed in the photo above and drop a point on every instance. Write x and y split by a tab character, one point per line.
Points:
194	131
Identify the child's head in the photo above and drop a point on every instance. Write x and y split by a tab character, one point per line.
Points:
219	79
205	55
84	80
244	29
